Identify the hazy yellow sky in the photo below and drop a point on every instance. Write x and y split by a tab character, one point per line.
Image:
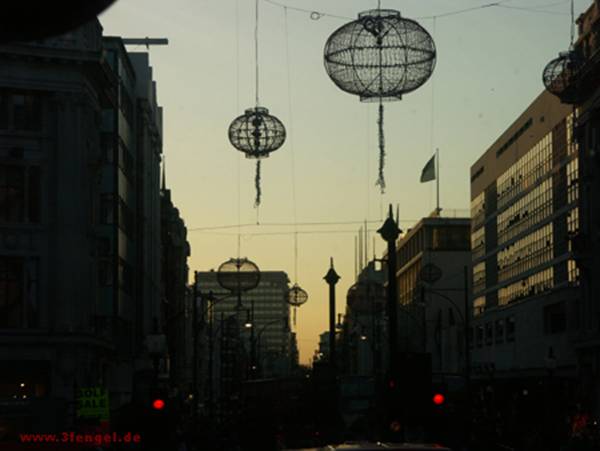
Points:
488	70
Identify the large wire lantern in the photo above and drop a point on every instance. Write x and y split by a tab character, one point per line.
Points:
560	75
238	275
380	56
366	297
296	297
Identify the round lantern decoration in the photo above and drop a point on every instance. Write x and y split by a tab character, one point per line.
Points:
297	297
560	73
366	297
256	133
238	275
379	57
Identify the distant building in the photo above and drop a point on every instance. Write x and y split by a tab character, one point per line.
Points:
363	343
177	301
431	310
524	212
271	316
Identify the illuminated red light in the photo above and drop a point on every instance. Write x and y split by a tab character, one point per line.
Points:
438	399
158	404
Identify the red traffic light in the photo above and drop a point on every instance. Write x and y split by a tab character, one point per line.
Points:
392	383
158	404
438	399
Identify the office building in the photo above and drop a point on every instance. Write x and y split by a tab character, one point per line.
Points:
524	212
431	257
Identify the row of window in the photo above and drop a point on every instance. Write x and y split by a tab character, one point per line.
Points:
478	211
573	180
527	253
526	212
499	331
526	171
479	277
535	284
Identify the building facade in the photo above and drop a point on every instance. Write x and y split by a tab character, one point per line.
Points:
431	310
586	243
525	210
80	236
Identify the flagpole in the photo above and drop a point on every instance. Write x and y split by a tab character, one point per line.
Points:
437	178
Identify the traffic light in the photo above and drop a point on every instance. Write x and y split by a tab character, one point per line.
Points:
158	404
438	399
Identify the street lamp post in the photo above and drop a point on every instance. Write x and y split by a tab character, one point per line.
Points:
332	278
195	349
390	232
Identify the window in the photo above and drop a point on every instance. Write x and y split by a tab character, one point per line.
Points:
125	276
20	110
18	292
489	333
126	219
510	328
20	190
105	273
499	333
555	318
107	209
479	336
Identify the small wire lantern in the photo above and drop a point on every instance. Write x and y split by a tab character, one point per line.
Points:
366	297
380	56
296	297
238	275
560	74
257	133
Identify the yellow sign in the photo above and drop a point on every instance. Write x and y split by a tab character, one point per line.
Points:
93	403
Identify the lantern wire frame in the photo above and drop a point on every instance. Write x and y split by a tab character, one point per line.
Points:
380	57
257	133
238	275
296	297
366	297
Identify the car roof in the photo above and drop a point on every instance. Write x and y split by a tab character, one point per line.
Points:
369	446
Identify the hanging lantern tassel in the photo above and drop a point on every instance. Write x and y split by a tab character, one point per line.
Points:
257	184
295	308
381	180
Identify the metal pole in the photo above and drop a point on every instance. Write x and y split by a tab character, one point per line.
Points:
332	278
210	365
195	348
467	353
252	343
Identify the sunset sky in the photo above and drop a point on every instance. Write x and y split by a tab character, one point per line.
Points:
488	70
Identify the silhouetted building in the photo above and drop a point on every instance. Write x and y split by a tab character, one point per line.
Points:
363	335
79	225
586	241
431	311
177	302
